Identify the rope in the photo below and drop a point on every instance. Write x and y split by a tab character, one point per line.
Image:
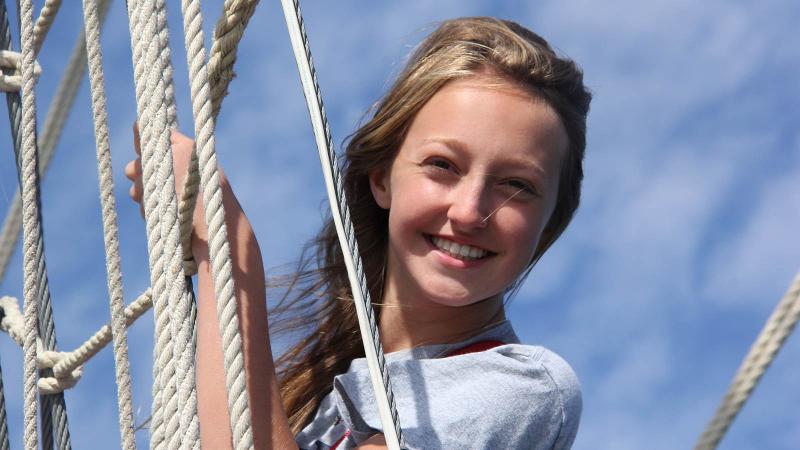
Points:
228	32
46	17
53	406
162	338
221	267
4	444
110	232
344	227
11	78
13	323
66	366
772	337
30	223
51	132
173	386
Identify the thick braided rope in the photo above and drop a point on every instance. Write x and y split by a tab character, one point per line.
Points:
46	17
152	216
761	354
163	367
30	223
53	406
228	33
221	266
157	116
110	232
182	306
344	227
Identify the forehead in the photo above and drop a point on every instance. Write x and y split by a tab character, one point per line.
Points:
493	120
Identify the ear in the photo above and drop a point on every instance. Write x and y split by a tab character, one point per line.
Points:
380	185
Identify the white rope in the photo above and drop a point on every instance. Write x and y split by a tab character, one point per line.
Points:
221	266
173	309
13	323
152	214
46	17
772	337
110	232
344	229
11	77
51	131
30	196
228	33
53	408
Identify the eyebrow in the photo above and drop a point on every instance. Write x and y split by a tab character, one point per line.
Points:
514	161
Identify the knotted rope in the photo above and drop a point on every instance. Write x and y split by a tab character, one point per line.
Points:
234	13
772	337
340	212
68	362
53	126
11	77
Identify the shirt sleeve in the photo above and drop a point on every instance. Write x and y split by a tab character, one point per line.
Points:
510	397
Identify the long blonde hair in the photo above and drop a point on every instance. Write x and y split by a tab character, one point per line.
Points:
316	308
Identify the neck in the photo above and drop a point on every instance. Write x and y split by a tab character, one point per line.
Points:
408	324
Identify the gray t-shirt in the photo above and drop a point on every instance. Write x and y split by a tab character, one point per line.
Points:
508	397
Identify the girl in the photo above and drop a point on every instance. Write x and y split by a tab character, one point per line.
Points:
468	171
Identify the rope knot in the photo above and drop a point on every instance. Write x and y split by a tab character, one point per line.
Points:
10	66
12	321
55	384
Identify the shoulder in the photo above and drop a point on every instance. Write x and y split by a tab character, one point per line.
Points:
512	396
534	393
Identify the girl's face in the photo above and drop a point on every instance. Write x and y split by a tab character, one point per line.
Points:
469	192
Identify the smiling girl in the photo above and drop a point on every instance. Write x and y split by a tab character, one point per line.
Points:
468	171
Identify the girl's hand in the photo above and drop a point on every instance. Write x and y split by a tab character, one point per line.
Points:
181	156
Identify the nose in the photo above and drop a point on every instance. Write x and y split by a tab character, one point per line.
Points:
469	205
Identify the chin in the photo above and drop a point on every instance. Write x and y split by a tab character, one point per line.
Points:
454	298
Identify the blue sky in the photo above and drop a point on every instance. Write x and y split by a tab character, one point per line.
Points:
685	240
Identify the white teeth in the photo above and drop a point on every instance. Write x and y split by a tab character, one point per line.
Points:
458	250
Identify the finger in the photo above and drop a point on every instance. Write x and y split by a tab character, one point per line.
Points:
136	191
133	169
137	146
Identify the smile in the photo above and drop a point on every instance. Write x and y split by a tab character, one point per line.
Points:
460	251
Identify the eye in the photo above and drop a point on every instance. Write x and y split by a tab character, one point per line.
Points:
440	164
520	187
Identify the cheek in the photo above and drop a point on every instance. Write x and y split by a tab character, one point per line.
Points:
521	231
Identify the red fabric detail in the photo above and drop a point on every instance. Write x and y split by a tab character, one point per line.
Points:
341	439
476	347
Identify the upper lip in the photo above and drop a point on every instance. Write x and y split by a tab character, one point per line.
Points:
462	241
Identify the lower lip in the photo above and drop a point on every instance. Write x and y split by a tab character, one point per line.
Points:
451	261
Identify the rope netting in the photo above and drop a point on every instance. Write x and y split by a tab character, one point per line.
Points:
174	422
